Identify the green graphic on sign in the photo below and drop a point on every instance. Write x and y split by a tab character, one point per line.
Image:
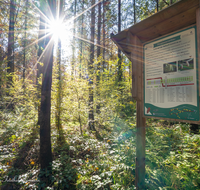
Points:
170	76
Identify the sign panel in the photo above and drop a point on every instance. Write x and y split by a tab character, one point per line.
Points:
170	76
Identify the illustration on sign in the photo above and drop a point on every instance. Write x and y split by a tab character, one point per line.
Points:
170	76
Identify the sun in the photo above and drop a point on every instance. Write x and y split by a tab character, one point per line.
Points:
57	28
61	30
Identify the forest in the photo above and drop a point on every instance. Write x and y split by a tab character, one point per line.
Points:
67	116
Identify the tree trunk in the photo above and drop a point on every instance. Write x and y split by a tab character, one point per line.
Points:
99	31
119	51
59	89
73	45
104	33
45	109
58	104
81	43
40	59
98	54
11	42
24	62
134	12
10	64
45	113
157	5
91	108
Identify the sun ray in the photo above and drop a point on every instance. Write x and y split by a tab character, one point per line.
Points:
90	42
87	10
46	18
31	70
47	22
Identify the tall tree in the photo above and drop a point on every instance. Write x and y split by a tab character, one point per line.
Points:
119	51
99	30
25	40
104	32
73	47
90	69
157	5
11	40
98	55
58	105
45	108
41	44
81	41
134	11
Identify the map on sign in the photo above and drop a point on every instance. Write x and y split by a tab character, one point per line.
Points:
170	76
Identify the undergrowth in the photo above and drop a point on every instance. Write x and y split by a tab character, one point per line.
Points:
86	162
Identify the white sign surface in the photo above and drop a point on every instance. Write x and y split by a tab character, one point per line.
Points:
170	76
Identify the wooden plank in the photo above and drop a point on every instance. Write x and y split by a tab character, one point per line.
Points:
134	80
175	23
130	45
140	148
198	42
137	57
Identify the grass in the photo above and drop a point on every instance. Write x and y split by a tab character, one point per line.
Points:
83	162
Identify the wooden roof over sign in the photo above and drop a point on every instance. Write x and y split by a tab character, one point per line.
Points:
170	19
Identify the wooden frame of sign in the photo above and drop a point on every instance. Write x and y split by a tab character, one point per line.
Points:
177	17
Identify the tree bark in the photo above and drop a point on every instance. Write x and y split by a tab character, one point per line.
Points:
119	51
11	41
25	40
40	59
91	107
134	11
99	31
45	109
59	89
58	104
157	5
73	46
104	33
98	55
81	42
45	112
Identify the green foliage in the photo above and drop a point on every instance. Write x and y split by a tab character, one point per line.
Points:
172	158
83	161
88	161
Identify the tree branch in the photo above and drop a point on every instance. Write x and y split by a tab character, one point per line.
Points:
166	2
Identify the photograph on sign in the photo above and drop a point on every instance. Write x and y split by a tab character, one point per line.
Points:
170	76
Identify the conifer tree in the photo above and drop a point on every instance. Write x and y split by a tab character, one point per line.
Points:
25	36
119	51
11	41
45	108
90	70
73	47
59	88
98	54
41	47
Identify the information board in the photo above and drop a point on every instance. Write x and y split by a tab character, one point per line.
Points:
170	76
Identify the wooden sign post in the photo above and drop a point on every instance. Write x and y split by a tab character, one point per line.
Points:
174	31
137	93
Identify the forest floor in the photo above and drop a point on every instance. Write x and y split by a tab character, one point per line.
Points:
84	162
